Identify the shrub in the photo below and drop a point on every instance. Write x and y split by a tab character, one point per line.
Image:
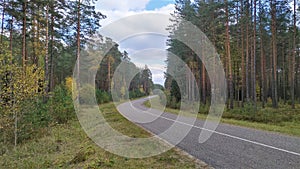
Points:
61	105
172	103
86	94
102	96
136	94
204	108
35	117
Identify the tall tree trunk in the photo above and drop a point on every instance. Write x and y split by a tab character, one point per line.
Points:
11	36
229	57
11	75
187	82
247	52
38	22
242	53
78	41
213	86
203	84
253	60
190	85
108	73
284	74
293	58
203	71
47	53
193	82
274	54
24	57
262	60
34	55
52	49
2	21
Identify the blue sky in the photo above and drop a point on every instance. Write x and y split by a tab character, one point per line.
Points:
143	49
154	4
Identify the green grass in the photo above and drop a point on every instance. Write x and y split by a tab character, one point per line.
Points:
67	146
282	120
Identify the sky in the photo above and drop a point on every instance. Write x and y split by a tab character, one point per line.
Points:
147	49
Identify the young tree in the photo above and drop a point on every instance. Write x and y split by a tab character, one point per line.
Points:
146	80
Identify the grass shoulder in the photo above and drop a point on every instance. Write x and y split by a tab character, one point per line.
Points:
67	146
283	120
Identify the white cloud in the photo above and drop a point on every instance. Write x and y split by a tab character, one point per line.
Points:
166	9
121	5
115	10
113	15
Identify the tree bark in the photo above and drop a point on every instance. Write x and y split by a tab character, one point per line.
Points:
108	73
11	36
253	60
78	42
24	57
203	83
247	53
274	54
242	53
2	22
293	58
262	62
203	71
47	53
229	57
52	49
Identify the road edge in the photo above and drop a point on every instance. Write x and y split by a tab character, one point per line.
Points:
199	164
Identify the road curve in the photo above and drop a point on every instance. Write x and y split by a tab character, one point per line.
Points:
229	147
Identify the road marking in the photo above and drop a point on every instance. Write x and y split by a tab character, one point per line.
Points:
227	135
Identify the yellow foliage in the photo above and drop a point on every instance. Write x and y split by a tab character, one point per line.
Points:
29	84
69	85
123	91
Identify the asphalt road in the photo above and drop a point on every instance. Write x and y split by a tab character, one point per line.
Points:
229	147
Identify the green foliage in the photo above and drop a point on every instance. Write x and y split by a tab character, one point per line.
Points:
246	113
136	94
86	94
204	108
172	101
35	118
146	80
61	107
249	65
75	150
267	115
83	155
175	91
20	91
158	86
102	96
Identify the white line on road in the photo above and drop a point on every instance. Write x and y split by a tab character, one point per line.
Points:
227	135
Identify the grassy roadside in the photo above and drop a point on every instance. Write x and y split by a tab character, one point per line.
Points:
67	146
291	128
